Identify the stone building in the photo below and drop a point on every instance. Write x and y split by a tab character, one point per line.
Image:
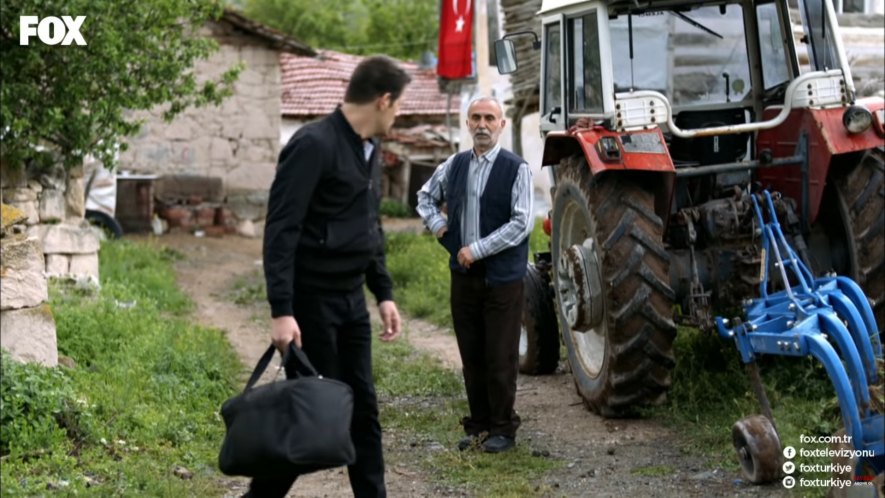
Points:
237	141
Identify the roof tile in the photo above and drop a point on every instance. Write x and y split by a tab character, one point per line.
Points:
313	86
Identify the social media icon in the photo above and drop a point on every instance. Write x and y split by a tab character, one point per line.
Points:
789	452
789	482
789	467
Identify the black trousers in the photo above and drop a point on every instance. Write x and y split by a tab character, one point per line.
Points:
336	336
487	323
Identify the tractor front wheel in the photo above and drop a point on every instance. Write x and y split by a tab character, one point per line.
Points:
611	278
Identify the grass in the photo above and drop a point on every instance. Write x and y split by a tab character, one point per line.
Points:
396	209
711	391
422	402
249	289
141	401
419	267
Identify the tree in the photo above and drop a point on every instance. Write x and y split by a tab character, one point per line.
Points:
70	101
399	28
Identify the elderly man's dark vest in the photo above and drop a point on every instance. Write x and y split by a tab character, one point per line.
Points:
494	209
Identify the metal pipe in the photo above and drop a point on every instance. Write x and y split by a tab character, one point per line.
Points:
739	166
759	390
836	35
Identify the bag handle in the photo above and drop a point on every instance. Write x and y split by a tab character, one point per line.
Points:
302	360
264	361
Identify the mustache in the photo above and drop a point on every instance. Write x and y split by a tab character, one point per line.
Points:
482	133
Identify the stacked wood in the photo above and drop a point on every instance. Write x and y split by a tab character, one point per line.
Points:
520	15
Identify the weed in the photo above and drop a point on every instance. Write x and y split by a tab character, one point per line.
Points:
419	267
396	209
249	289
143	397
653	471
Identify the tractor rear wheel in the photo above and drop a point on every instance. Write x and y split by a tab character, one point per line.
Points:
613	298
861	195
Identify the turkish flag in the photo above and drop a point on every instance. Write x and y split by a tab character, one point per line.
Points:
455	39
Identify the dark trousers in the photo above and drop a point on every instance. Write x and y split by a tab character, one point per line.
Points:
337	338
487	323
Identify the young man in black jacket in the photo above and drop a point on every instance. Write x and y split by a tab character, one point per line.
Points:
322	242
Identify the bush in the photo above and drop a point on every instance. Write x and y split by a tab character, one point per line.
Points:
143	397
396	209
37	406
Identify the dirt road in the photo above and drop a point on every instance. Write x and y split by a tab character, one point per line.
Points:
601	457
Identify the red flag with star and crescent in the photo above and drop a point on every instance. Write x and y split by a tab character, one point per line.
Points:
455	39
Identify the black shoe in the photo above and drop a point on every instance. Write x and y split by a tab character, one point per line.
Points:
497	444
469	441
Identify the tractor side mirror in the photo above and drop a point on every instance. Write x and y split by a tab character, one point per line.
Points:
505	56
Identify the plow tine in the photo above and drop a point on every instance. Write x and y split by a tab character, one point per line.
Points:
832	325
824	352
847	311
853	292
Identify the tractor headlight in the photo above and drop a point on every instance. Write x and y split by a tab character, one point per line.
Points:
857	119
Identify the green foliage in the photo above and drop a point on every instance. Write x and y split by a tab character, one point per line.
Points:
399	370
249	289
74	100
538	240
35	404
400	28
143	397
419	267
396	209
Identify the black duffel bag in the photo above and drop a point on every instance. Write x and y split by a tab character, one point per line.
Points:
287	427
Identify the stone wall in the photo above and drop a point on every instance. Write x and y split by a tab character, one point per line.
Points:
54	205
27	328
237	141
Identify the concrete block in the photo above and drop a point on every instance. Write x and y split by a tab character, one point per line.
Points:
22	281
29	335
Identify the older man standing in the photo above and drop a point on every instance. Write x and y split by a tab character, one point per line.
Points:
487	192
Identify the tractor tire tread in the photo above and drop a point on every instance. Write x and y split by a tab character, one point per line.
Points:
639	300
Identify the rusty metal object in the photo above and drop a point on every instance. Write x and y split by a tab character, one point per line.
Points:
758	447
581	264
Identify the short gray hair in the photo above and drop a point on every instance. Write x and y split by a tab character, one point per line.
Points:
487	99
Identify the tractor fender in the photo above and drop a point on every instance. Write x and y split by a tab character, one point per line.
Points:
826	137
605	150
640	153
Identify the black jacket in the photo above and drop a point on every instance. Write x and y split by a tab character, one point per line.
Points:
323	231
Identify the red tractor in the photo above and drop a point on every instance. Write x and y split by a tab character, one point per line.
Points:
661	118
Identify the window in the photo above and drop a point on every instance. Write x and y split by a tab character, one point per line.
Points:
552	68
693	57
585	80
819	31
775	69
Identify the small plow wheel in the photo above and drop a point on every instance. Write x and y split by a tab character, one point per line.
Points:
758	447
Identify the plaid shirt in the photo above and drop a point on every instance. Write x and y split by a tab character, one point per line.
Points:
432	195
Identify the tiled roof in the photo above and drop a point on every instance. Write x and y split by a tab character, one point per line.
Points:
272	37
313	86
